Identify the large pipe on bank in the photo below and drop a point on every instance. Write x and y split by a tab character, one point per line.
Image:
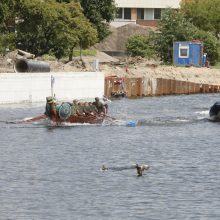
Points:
31	66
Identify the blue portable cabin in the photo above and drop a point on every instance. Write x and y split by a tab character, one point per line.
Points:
189	53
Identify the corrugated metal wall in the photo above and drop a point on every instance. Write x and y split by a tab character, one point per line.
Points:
138	87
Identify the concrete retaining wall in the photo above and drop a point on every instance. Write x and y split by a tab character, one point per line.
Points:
34	87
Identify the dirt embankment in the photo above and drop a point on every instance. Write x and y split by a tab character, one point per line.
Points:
126	67
150	69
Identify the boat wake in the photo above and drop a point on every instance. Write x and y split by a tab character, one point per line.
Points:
157	121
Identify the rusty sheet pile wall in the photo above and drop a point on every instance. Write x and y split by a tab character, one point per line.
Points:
138	87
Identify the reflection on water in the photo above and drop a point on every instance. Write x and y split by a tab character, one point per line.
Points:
49	172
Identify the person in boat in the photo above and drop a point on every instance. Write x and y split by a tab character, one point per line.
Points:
80	109
48	109
74	107
105	102
86	108
93	109
99	105
51	107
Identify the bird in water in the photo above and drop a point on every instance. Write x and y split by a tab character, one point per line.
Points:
140	168
104	167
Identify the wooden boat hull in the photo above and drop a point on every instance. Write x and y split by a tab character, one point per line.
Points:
64	114
90	119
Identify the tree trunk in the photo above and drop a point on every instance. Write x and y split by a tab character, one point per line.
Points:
71	55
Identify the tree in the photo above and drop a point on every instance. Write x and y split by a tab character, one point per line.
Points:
7	24
211	45
175	27
7	17
52	27
204	14
172	27
99	13
140	45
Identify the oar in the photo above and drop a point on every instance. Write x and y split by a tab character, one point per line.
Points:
37	118
98	115
110	117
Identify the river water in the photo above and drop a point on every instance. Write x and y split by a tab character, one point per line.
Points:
54	172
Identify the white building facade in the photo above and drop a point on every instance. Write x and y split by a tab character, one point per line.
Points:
143	12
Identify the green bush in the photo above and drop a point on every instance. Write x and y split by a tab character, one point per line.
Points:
211	45
140	45
49	57
7	42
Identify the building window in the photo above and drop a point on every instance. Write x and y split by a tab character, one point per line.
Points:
157	13
119	13
184	51
140	13
127	13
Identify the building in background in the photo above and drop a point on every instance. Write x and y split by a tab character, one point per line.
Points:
143	12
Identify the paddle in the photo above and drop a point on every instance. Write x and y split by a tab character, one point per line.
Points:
37	118
110	117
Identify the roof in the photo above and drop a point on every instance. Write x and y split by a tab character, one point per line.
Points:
147	3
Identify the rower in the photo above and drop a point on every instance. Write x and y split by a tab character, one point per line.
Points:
93	109
105	102
99	105
74	107
51	106
79	109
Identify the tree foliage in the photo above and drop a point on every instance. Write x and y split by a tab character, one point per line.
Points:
204	14
99	13
172	27
7	23
7	42
175	27
52	27
140	45
211	45
7	17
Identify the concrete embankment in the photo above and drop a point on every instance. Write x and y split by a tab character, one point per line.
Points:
142	86
34	87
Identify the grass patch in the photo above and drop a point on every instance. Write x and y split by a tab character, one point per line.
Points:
217	65
49	57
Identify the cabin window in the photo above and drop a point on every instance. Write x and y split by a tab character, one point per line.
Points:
157	13
183	51
127	13
119	13
140	13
